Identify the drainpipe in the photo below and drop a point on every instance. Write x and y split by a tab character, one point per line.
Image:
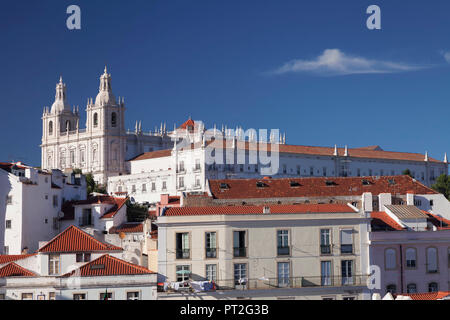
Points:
401	270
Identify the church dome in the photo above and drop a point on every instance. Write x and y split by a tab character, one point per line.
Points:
105	95
60	103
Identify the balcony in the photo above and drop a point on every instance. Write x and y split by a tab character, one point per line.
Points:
346	248
211	252
283	251
240	252
325	249
293	282
197	169
183	254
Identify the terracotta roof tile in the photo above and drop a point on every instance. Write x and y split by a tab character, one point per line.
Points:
274	209
427	295
128	227
10	258
14	270
117	203
315	187
74	239
153	155
107	265
381	221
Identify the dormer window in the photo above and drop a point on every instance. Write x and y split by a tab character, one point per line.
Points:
294	184
366	182
330	183
261	184
224	186
391	182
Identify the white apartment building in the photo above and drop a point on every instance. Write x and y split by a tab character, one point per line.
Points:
302	251
74	266
30	204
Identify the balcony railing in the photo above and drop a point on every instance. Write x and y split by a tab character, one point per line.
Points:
286	282
346	248
325	249
239	252
283	251
183	253
294	282
211	252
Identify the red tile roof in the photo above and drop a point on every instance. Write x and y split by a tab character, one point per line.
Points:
118	204
427	295
153	155
439	222
9	166
365	152
128	227
274	209
74	239
107	265
315	187
187	123
10	258
14	270
381	221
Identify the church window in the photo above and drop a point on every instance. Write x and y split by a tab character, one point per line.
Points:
94	155
95	119
50	128
72	156
113	119
68	128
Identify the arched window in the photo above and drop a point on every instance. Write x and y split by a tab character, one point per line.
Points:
432	265
94	155
411	258
113	119
390	259
432	287
95	119
411	288
50	128
392	288
68	128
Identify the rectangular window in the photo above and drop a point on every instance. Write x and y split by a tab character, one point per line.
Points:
144	187
347	272
2	296
346	241
181	166
86	217
79	296
211	272
133	295
298	170
53	264
83	257
72	157
239	249
164	185
311	171
55	201
6	250
52	296
153	186
133	188
27	296
182	246
325	242
324	171
197	164
105	296
283	242
283	274
240	274
181	182
8	224
358	172
325	269
82	156
8	199
183	273
210	243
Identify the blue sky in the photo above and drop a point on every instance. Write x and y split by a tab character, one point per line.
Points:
309	68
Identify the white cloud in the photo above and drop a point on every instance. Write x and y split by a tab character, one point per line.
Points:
446	55
336	62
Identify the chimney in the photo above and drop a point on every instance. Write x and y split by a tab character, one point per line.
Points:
410	198
164	199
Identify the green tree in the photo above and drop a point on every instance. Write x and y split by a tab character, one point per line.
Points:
136	212
93	186
407	173
442	185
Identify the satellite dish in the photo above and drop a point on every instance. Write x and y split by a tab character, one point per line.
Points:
121	235
132	200
60	214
